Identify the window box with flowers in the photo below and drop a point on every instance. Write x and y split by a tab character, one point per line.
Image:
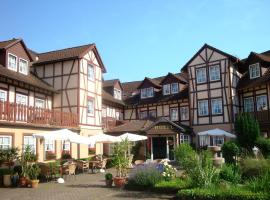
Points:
66	155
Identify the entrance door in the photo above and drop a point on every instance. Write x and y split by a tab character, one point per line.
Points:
159	147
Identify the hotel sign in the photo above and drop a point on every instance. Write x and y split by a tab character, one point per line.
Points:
164	127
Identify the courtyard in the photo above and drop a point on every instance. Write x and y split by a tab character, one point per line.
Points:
84	187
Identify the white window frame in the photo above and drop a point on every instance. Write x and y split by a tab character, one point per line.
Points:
143	114
217	102
7	145
104	112
147	92
246	104
50	144
117	115
205	111
26	70
218	140
184	113
90	73
117	94
254	71
184	139
43	101
91	111
176	90
214	73
258	101
33	145
66	144
174	114
16	64
202	79
4	92
19	95
166	89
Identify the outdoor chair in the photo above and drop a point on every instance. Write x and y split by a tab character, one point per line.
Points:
70	170
139	162
82	165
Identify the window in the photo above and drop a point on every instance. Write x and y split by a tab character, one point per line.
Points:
218	141
66	146
216	106
214	73
254	70
174	114
30	141
5	141
184	113
21	99
201	75
49	145
147	92
90	107
166	89
152	113
204	140
23	66
117	115
143	114
3	95
261	102
91	72
12	62
184	139
104	112
248	104
40	103
117	94
174	88
203	107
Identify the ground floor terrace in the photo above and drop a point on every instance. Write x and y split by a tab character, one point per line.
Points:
84	187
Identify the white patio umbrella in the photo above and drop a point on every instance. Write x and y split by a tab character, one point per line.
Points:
63	134
216	132
102	138
132	137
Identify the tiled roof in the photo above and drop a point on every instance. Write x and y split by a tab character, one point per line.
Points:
7	43
29	79
108	97
110	83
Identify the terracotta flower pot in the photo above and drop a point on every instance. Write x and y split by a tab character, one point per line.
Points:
109	183
23	181
7	180
119	181
34	183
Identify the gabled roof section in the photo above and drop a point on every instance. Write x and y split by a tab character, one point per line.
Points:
164	120
68	54
107	97
233	58
9	43
149	81
177	78
263	57
111	83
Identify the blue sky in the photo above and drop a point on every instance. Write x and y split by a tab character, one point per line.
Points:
141	37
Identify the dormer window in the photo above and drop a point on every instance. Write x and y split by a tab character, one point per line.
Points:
23	66
12	62
147	92
254	70
166	89
117	94
174	88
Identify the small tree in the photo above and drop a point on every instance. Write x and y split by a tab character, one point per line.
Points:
229	151
247	130
120	159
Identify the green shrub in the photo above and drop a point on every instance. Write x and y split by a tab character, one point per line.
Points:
261	183
264	145
185	156
108	176
172	186
214	193
229	151
254	167
230	173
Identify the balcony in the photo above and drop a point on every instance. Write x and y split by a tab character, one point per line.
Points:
109	122
263	117
13	112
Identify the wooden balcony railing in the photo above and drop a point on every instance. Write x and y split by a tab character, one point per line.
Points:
14	112
262	116
110	122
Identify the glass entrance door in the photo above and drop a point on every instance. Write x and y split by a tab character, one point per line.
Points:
159	147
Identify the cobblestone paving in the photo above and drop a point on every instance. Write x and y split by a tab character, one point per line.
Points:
85	187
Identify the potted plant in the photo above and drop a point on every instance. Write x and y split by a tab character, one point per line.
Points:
121	161
15	177
34	171
9	156
109	179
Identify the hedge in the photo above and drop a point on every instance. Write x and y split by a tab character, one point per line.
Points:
220	194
